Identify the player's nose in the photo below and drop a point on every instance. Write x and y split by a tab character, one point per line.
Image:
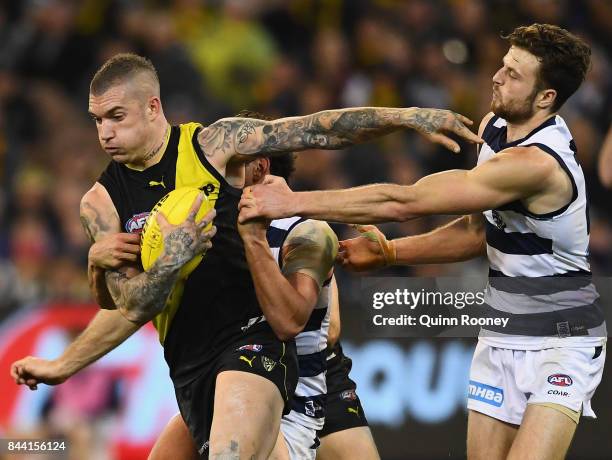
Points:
497	80
105	131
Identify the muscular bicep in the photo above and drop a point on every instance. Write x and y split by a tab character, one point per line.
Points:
515	174
310	249
98	214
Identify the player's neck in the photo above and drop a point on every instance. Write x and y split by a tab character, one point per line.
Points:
154	151
517	131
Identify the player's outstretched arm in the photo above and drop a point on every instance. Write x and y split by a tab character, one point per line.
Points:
105	331
287	298
514	174
329	129
460	240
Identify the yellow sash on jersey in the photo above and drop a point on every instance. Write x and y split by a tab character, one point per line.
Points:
190	172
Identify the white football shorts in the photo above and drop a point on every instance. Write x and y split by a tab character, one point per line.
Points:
504	381
301	440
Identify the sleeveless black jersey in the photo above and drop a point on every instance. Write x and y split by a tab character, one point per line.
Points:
217	303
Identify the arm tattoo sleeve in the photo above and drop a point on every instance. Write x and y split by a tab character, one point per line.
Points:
93	224
143	297
329	129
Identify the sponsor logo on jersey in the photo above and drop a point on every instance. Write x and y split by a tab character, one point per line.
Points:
348	395
250	347
268	363
560	380
499	222
253	321
558	393
208	189
247	360
157	183
485	393
353	410
136	223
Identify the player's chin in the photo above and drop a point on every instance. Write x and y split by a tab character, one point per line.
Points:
118	155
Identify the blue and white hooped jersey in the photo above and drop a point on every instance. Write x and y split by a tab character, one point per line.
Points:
311	391
539	273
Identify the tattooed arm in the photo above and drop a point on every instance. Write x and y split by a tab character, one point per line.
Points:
288	297
106	330
143	296
100	220
329	129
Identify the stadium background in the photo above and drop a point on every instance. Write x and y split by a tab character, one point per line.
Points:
282	57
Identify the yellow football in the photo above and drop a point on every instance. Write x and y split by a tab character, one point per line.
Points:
175	206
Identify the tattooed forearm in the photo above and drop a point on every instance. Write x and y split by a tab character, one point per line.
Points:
329	129
141	298
245	130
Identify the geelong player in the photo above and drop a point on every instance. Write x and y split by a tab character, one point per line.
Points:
524	205
346	434
217	311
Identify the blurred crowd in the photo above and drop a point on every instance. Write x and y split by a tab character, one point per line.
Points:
281	57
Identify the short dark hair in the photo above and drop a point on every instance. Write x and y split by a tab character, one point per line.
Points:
283	164
564	58
120	68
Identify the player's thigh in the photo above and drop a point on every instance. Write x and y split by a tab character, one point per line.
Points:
247	413
488	438
348	444
545	434
280	451
174	442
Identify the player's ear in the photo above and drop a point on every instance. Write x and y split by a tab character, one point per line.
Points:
153	107
265	166
262	169
546	98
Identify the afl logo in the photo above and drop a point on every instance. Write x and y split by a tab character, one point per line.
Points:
136	222
560	380
348	395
